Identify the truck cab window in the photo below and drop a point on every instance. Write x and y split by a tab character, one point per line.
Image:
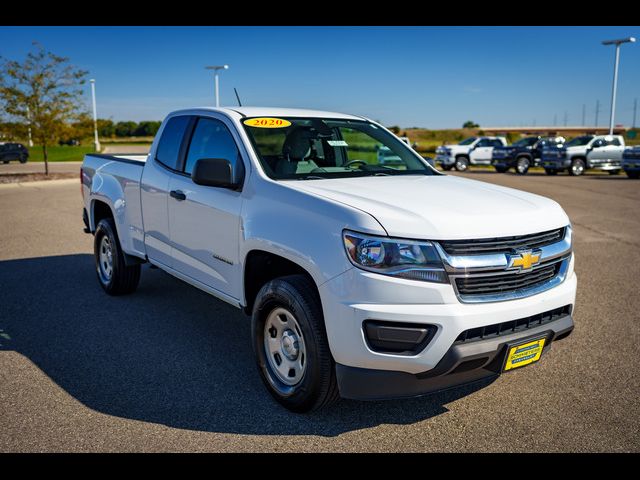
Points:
211	139
169	146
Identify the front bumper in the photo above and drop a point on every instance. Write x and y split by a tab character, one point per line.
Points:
356	296
463	363
555	164
631	164
442	159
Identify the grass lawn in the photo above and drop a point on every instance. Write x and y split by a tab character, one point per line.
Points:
60	153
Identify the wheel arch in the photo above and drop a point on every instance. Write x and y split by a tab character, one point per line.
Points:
262	266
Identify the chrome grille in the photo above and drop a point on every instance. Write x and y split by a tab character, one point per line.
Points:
508	282
481	270
503	244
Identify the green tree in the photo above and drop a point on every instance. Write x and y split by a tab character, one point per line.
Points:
395	129
126	129
470	124
147	129
106	128
44	90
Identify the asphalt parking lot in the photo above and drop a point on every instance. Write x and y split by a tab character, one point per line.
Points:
170	368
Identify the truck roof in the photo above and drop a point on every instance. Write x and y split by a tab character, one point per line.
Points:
277	112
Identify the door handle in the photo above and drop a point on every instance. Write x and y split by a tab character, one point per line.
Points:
178	195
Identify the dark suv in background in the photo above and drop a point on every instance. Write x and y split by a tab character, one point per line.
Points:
523	154
13	151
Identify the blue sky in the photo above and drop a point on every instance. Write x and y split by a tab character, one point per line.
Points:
433	77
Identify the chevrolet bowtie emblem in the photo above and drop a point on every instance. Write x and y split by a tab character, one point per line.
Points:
524	260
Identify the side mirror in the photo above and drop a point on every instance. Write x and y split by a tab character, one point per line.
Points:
214	172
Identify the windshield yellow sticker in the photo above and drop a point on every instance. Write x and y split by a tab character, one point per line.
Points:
267	122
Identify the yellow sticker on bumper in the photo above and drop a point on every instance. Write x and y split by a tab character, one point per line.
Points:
267	122
524	354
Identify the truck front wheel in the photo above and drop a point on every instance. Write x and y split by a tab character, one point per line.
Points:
522	165
290	344
462	164
115	277
577	167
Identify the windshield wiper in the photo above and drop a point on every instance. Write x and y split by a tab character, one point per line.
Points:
312	177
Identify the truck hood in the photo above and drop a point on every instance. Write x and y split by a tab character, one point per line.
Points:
441	207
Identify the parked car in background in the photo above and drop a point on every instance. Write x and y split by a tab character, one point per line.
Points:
362	280
71	142
387	157
631	161
523	154
598	152
471	151
13	151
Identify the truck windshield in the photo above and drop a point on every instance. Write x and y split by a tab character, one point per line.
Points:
579	141
525	142
468	141
312	148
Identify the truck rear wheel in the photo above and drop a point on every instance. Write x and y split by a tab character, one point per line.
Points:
115	277
462	164
577	167
290	344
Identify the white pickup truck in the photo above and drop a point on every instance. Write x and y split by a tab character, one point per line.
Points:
362	280
470	151
597	152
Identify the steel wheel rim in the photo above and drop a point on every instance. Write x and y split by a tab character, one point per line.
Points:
284	347
105	259
461	165
578	168
523	164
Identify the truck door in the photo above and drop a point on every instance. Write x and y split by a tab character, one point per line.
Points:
614	149
205	221
482	151
154	189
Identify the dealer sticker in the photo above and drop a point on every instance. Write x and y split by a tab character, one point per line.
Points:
267	122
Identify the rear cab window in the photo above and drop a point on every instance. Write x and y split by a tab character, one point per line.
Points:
168	151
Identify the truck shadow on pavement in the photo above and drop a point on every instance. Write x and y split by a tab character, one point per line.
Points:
168	354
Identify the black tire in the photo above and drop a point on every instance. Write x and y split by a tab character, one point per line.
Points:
24	159
577	167
462	164
318	387
522	165
634	175
123	279
614	172
5	161
446	167
501	169
549	171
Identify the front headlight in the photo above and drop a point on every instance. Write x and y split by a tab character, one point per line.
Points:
400	258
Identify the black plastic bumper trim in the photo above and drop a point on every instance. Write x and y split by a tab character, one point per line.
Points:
462	364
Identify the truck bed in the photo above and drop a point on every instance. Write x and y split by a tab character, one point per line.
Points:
115	180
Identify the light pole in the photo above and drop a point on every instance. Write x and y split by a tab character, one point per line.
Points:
215	69
96	142
29	125
617	43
